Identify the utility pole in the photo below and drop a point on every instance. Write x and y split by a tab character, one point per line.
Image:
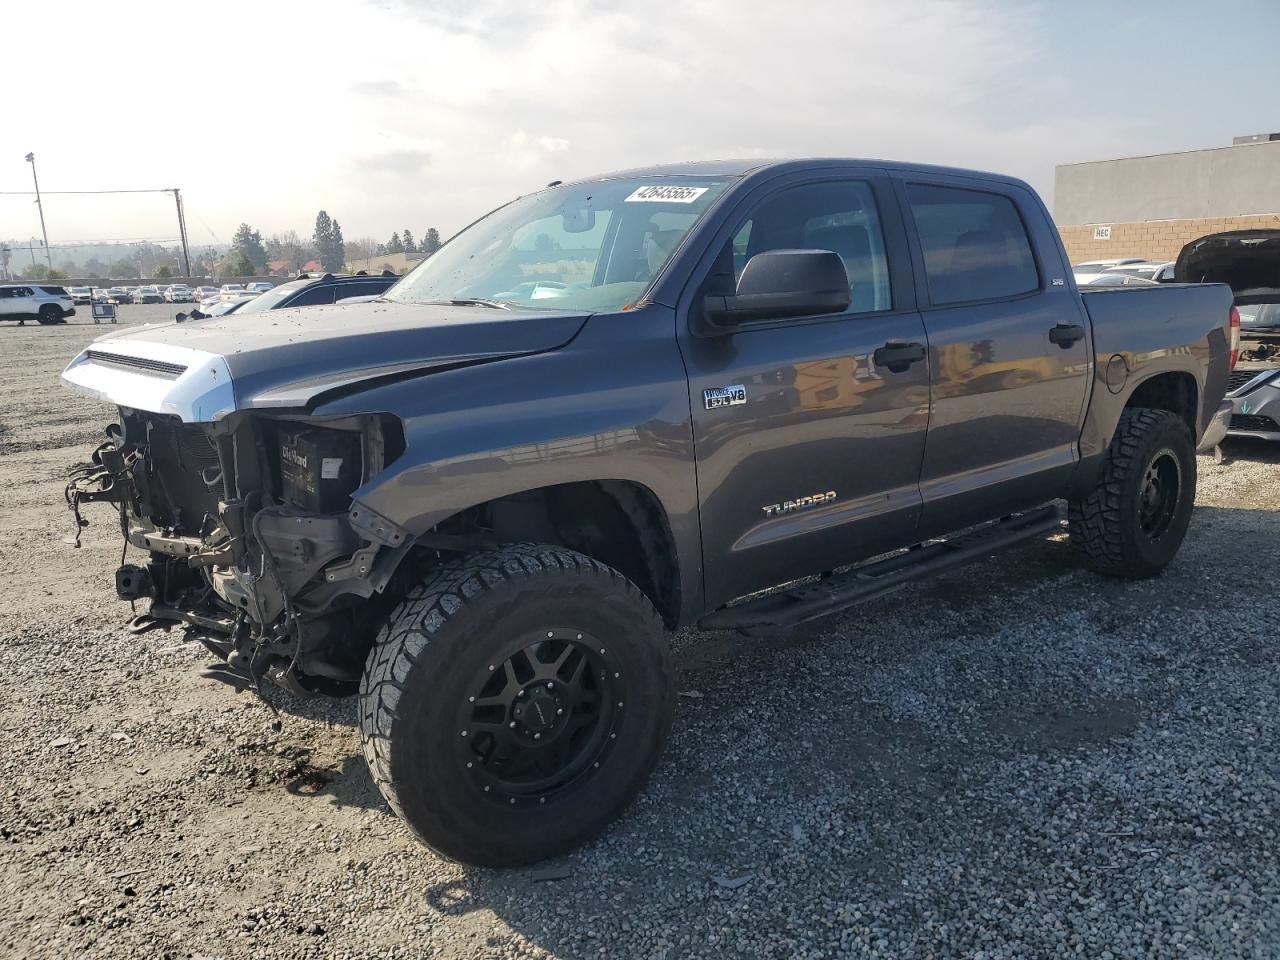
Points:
182	232
48	255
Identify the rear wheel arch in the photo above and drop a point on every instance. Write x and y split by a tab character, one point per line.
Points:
1175	391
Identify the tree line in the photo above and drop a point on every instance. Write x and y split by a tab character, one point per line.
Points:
248	255
250	252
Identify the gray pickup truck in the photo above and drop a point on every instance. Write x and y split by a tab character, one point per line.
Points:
740	395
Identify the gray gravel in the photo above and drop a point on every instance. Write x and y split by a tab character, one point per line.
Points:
1020	760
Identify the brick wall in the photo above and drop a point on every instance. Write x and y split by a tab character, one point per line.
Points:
1157	240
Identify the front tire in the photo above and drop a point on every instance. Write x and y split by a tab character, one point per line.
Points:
515	703
1133	521
49	314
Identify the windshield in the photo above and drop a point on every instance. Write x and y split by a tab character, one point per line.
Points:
587	246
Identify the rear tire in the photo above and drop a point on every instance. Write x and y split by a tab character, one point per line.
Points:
1133	521
49	314
515	703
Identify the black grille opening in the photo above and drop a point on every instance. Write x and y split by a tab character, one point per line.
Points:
1254	422
156	368
1239	378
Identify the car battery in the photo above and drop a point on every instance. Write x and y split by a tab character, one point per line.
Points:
319	469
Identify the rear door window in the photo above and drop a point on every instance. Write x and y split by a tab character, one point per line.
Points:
974	244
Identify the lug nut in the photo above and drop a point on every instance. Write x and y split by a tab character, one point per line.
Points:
537	736
471	699
512	724
464	733
468	764
491	666
513	799
550	634
579	636
561	710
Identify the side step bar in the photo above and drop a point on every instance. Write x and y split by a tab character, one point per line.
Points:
831	594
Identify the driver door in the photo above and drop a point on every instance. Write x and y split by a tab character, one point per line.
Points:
808	450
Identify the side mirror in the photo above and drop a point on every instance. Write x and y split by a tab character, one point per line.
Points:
784	283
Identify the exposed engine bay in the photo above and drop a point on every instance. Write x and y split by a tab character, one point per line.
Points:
253	541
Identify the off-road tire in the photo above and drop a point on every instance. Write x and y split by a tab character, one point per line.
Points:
417	679
1106	525
50	314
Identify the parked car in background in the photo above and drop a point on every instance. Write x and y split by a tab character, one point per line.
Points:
1249	261
178	293
45	305
312	290
119	295
1102	266
1159	272
259	286
213	307
80	295
148	294
203	293
1111	279
231	291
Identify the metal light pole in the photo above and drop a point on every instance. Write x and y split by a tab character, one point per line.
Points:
31	159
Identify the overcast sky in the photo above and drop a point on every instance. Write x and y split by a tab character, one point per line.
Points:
394	114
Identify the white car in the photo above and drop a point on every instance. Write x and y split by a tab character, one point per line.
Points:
178	293
1111	279
80	295
203	293
231	291
1159	272
259	286
46	305
1103	266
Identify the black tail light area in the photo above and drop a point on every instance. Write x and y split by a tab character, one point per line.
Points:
319	468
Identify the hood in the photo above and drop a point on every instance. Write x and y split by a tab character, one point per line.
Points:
1246	260
206	369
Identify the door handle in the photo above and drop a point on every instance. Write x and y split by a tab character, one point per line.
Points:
898	355
1065	334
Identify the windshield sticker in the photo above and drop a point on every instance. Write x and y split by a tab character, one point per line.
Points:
666	194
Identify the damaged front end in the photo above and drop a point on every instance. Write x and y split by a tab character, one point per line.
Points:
254	543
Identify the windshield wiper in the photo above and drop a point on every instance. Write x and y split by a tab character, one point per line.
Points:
470	302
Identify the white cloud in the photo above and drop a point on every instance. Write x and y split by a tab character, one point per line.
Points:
525	152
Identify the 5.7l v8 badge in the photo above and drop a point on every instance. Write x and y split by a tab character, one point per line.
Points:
730	396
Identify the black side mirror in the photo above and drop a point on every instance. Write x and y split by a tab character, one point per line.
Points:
784	283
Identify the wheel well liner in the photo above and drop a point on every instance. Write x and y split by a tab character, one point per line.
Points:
618	522
1174	391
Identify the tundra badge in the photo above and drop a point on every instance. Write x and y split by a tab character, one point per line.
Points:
730	396
799	503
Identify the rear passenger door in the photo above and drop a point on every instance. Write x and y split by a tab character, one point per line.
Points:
1008	344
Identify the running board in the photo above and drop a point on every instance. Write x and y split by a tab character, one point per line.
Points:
831	594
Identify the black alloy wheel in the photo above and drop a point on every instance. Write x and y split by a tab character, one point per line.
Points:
533	724
1159	494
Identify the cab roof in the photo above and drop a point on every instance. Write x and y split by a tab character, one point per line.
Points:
749	167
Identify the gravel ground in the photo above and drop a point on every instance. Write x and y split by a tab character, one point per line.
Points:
1023	761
